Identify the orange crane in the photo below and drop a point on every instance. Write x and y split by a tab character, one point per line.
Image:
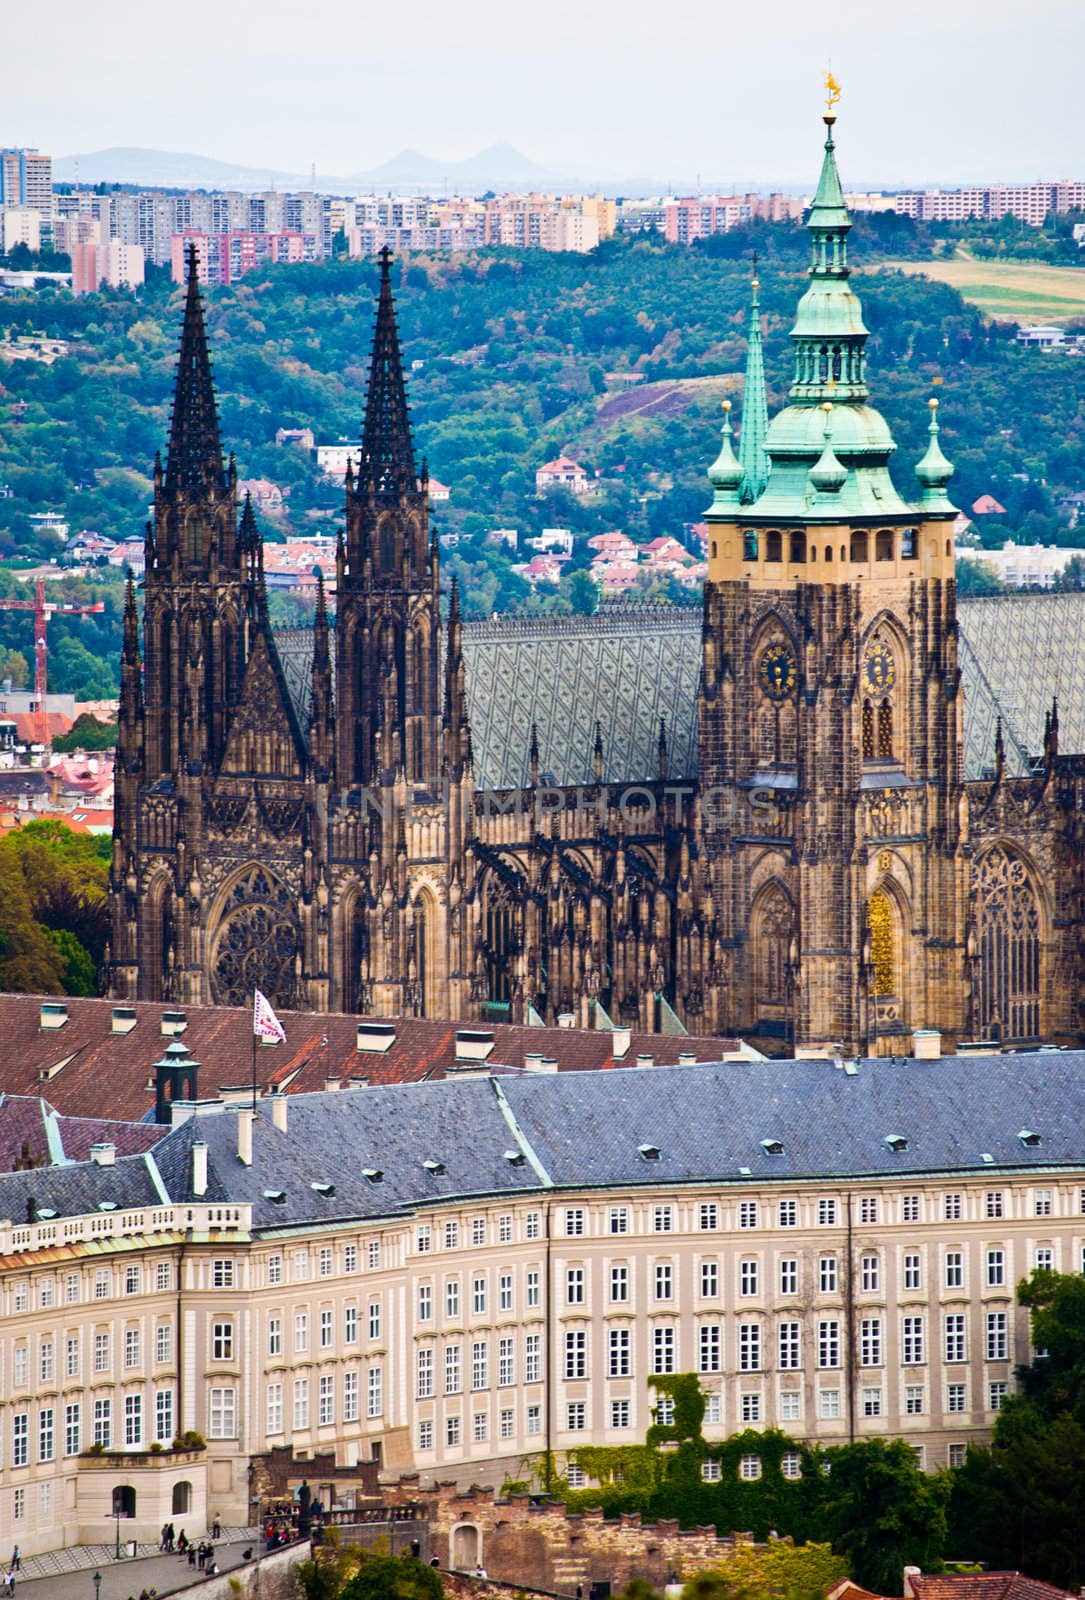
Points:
44	609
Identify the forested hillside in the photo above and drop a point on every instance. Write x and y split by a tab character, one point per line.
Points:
522	355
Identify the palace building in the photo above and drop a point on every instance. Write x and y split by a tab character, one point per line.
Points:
831	1249
837	807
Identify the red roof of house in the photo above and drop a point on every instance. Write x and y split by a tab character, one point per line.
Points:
561	464
26	1122
91	1071
960	1586
987	506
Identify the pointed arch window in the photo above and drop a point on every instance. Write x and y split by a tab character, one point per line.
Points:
884	953
387	546
868	731
885	730
1009	954
773	923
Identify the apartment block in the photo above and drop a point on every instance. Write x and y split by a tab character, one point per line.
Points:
26	179
21	225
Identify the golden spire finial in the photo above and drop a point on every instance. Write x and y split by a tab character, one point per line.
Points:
832	91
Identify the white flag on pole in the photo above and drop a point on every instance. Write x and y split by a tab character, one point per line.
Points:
265	1024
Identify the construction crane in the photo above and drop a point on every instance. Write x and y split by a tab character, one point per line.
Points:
44	609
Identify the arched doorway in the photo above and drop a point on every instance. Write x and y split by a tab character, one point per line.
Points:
465	1553
1008	925
124	1501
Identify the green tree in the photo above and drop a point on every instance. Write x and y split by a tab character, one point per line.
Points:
882	1512
87	732
393	1578
1021	1501
78	974
977	578
779	1570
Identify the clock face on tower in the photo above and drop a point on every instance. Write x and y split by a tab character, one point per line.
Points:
879	670
776	671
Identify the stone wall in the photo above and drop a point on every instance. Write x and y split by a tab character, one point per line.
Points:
270	1578
539	1543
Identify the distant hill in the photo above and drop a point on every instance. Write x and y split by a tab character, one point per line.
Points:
499	167
171	169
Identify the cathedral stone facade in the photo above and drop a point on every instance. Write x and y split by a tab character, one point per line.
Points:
830	809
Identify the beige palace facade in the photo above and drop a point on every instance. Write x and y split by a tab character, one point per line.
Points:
456	1276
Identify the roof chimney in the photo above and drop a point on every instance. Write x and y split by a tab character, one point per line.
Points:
686	1058
104	1154
645	1061
331	1084
621	1039
278	1111
909	1574
173	1023
199	1168
53	1014
927	1044
244	1136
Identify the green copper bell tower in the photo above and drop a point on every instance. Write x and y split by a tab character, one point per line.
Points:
830	712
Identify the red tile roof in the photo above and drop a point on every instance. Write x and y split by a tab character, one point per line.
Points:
87	1070
960	1586
25	1142
983	1586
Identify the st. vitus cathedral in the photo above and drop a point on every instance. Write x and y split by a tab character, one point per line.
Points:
822	810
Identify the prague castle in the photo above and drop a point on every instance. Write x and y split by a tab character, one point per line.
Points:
831	809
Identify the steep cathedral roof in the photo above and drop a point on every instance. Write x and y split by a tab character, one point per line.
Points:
629	667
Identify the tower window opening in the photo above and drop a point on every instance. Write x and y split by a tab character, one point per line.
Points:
860	547
883	952
885	729
883	547
828	552
388	547
773	546
868	731
749	539
843	553
798	547
907	544
949	547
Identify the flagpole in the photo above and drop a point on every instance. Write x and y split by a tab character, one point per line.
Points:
254	1051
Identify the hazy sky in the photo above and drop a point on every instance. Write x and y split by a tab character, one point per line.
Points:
933	89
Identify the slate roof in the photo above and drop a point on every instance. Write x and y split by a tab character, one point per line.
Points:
709	1121
332	1137
630	665
582	1130
86	1068
78	1190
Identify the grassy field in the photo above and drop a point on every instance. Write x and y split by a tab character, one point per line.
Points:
1009	291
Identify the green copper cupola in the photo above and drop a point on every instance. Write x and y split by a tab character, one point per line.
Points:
829	336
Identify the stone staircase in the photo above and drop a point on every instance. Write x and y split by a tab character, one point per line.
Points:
84	1557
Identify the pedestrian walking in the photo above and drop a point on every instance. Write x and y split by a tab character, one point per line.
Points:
216	1528
16	1562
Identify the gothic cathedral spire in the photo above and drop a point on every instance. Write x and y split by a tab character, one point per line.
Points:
386	465
388	703
194	463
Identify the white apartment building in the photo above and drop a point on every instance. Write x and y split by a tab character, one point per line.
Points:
21	226
454	1276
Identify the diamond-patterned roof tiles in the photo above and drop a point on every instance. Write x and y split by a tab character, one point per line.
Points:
629	666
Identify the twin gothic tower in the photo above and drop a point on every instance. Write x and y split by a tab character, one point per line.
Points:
303	814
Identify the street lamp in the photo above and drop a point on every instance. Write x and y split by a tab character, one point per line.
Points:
117	1520
97	1586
